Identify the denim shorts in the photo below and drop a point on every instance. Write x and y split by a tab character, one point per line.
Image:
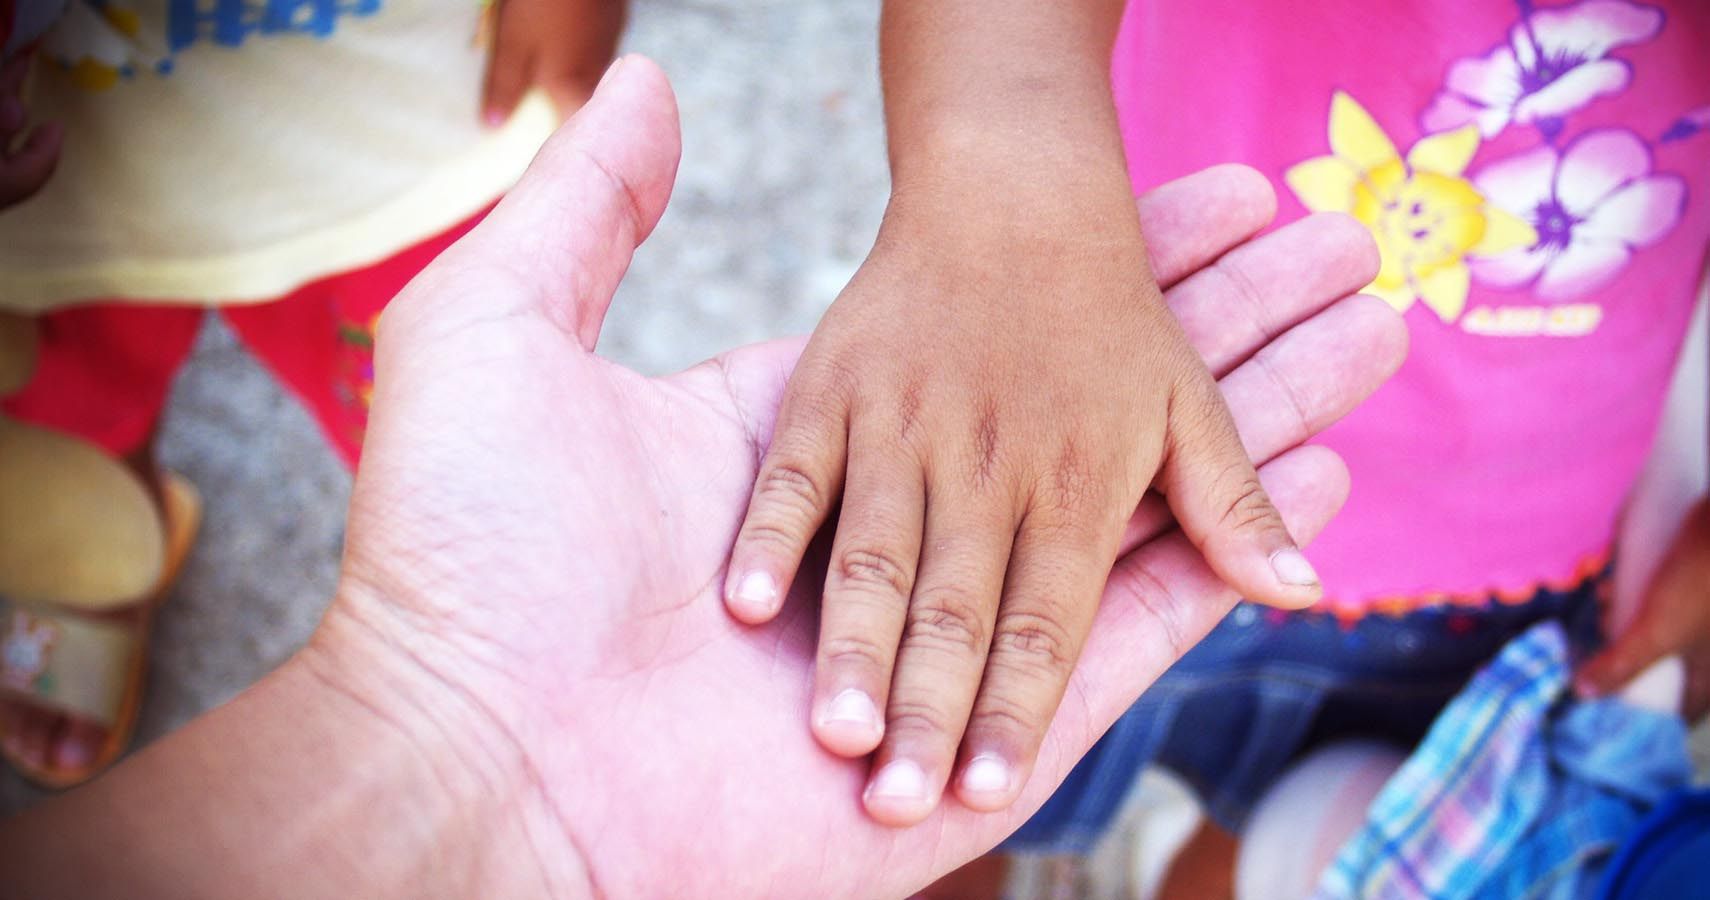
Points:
1267	686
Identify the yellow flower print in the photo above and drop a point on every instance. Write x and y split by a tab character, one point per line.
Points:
1427	218
99	44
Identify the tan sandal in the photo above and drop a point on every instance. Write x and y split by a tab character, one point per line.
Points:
87	562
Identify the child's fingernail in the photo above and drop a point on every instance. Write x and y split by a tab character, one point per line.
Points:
852	707
1292	568
610	71
757	593
986	774
902	779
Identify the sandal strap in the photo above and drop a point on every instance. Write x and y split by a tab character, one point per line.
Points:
56	659
81	530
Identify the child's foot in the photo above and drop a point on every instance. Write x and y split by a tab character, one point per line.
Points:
48	740
95	554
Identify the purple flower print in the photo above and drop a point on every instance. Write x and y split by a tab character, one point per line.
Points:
1688	125
1555	61
1592	205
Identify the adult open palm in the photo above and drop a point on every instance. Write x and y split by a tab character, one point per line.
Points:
538	536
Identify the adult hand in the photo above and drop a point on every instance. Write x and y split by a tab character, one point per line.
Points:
28	156
541	535
528	684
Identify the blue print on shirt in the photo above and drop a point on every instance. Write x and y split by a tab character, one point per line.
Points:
231	22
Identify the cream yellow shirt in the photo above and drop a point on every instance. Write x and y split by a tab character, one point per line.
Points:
227	151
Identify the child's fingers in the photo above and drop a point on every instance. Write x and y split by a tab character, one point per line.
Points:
12	75
12	119
867	587
1056	573
568	74
1219	503
24	173
945	638
1309	377
1642	644
510	72
797	486
1161	600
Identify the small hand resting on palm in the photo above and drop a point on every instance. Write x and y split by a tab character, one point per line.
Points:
528	684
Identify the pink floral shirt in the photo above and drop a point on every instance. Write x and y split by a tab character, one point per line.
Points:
1537	177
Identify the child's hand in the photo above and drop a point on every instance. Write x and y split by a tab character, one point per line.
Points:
23	171
991	403
561	46
1674	618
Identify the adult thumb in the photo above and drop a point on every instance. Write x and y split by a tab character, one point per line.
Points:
565	234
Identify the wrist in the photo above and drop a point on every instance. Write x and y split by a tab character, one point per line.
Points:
303	787
466	816
1068	171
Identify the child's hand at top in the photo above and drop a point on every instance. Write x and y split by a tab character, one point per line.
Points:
1673	619
991	396
560	46
26	160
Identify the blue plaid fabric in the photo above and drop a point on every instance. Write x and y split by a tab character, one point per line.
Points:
1518	790
1266	686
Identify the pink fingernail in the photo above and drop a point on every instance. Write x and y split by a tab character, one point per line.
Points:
986	774
1292	568
852	707
902	779
757	592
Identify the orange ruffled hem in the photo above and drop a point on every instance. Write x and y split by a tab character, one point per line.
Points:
1348	613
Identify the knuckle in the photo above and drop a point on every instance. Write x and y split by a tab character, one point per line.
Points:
909	402
1034	643
1003	716
817	397
1158	604
984	452
826	384
790	482
915	717
1255	311
875	569
855	651
949	619
1070	484
1196	414
1247	505
1288	392
773	533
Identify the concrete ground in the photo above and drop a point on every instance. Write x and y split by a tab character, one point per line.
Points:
781	189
